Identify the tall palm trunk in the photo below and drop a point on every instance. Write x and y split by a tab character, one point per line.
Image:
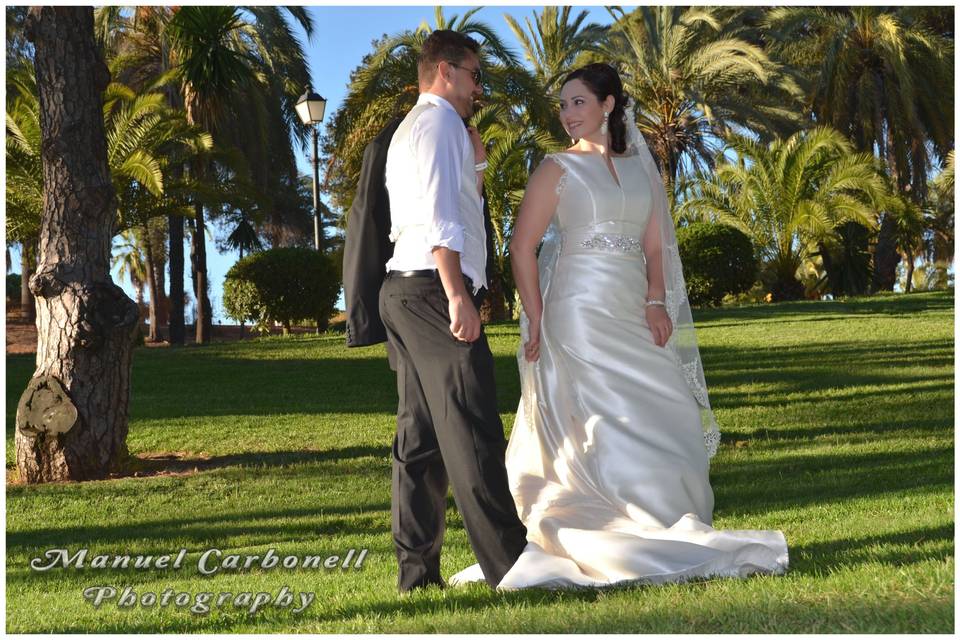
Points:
71	421
241	319
886	256
28	310
910	258
199	262
154	330
175	251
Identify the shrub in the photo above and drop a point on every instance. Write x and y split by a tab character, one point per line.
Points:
13	288
718	260
282	285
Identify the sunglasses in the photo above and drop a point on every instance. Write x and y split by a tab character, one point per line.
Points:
477	74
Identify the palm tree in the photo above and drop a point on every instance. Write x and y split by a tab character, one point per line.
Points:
552	42
24	178
553	45
515	144
130	262
789	196
941	214
143	136
694	81
878	76
239	72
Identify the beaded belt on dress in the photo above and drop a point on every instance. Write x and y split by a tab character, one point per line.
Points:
618	243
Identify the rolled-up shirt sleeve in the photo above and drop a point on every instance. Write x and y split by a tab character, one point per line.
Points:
438	147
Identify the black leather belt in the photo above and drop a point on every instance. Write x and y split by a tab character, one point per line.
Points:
425	273
416	273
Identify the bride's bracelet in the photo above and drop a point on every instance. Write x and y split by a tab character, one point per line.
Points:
655	303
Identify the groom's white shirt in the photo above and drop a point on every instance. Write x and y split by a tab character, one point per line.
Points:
434	200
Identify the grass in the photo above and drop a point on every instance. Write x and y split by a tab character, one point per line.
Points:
838	430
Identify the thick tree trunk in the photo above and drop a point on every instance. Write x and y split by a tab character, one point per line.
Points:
72	419
28	309
886	257
175	321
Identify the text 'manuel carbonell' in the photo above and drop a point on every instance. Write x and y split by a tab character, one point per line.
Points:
210	561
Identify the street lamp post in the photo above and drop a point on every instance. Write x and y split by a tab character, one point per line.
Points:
310	108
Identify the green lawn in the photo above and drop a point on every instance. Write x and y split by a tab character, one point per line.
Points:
838	430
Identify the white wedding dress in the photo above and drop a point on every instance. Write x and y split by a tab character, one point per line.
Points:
607	460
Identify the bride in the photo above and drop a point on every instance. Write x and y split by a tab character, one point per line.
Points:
608	460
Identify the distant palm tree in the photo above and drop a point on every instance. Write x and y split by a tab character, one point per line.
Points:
239	73
132	264
878	75
143	135
789	196
552	42
244	236
694	81
941	214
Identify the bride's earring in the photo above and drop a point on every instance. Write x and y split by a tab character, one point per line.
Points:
603	127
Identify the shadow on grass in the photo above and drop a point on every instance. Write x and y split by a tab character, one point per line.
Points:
928	543
938	302
173	463
795	481
155	536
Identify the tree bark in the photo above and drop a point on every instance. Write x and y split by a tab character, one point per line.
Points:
154	333
72	419
204	322
910	259
175	321
886	257
28	308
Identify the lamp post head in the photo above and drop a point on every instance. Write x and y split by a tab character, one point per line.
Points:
310	108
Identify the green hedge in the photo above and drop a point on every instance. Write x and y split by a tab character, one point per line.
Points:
717	260
282	285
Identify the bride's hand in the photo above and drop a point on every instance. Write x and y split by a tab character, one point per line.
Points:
531	348
659	323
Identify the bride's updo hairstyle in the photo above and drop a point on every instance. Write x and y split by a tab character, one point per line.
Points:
603	80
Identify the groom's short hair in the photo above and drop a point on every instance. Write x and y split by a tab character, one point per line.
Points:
441	45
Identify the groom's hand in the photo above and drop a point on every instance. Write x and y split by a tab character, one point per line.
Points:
464	318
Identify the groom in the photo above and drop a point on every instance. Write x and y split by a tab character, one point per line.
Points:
448	428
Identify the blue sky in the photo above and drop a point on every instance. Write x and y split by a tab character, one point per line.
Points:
342	36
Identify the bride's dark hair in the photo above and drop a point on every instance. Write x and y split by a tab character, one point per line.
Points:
603	80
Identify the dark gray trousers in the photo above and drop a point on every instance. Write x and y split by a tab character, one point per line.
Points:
448	432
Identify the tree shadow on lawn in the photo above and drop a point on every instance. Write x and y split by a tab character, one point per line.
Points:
780	437
754	486
741	488
831	309
148	464
252	387
928	543
206	531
